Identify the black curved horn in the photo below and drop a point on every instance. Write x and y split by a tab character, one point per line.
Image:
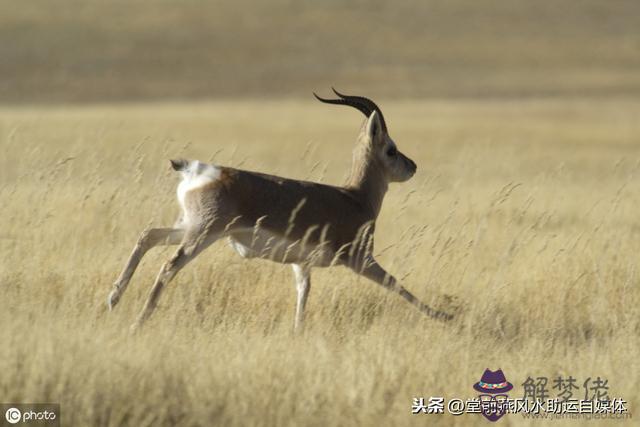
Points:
364	105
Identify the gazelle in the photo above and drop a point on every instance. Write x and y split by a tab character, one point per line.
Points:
301	223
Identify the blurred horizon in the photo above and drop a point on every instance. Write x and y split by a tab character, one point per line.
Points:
89	51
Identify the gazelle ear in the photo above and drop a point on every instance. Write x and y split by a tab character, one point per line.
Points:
374	127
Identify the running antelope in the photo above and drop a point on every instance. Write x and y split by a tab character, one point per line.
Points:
305	224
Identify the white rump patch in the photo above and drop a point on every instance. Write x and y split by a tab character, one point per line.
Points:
196	175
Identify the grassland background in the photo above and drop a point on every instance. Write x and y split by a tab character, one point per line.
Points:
524	119
90	50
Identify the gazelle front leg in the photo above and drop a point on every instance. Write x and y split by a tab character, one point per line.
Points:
372	270
303	285
147	240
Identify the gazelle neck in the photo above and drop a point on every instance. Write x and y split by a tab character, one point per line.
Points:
367	178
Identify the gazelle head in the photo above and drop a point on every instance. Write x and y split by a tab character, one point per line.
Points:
374	140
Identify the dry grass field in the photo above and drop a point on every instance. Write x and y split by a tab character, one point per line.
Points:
525	210
523	117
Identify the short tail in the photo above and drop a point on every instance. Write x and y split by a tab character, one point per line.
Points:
179	164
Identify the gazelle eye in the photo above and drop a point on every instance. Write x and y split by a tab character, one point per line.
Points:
392	151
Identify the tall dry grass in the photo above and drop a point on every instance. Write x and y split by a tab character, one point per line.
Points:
526	211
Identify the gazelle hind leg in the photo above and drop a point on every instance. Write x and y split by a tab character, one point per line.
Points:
194	242
303	285
147	240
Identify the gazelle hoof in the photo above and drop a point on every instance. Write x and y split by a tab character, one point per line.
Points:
113	298
135	328
452	305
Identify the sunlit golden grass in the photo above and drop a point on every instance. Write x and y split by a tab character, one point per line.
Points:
526	211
